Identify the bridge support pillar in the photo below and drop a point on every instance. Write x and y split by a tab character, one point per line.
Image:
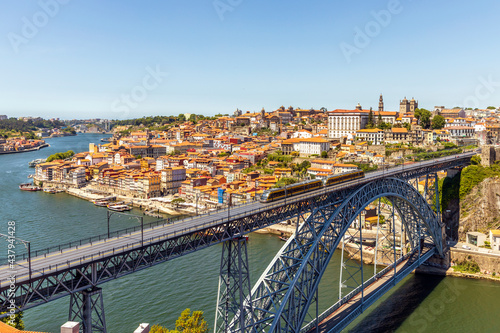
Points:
234	286
87	308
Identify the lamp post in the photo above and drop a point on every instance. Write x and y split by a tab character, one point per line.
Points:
27	244
139	218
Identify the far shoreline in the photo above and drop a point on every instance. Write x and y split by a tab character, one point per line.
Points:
25	150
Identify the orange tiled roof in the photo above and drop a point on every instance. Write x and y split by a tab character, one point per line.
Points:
4	328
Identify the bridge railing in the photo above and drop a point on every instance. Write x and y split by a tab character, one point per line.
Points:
171	220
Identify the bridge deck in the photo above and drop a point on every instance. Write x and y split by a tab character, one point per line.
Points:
357	302
86	253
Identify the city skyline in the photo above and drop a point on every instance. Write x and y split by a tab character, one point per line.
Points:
68	60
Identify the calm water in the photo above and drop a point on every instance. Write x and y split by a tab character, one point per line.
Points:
159	294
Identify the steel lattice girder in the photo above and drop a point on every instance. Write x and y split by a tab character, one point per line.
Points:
60	283
87	307
234	284
48	286
284	292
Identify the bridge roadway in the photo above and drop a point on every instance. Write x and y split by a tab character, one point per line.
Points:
341	314
63	260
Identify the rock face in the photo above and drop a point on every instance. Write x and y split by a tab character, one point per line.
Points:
480	210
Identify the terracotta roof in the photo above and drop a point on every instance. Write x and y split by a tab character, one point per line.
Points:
4	328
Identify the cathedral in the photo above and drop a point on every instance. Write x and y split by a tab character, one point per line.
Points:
406	106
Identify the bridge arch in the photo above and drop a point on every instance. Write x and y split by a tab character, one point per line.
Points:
282	296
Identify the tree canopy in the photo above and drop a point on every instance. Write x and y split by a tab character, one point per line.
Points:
285	181
438	122
187	323
371	121
60	156
16	323
424	116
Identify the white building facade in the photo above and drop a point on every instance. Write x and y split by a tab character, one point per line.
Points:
344	122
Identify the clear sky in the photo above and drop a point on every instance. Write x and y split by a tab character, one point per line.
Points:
121	59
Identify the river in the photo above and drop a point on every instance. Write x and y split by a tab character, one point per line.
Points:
159	294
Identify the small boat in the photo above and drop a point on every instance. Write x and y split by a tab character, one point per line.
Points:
30	176
29	187
50	190
116	203
33	163
101	203
283	238
119	208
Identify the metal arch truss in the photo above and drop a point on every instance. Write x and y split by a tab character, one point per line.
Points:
46	286
282	296
234	284
55	282
87	308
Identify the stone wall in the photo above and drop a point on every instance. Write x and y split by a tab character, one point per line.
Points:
486	262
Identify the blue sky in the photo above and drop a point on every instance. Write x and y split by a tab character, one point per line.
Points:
87	59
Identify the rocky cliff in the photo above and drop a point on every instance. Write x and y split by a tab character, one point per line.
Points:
480	209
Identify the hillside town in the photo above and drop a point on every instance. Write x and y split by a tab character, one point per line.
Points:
208	164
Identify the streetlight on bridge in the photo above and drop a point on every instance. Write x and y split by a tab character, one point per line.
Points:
139	218
26	244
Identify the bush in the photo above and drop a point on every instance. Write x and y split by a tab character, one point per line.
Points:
467	266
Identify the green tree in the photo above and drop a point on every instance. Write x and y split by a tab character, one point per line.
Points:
285	181
407	126
16	323
424	116
371	122
60	156
491	108
324	154
438	122
380	121
384	126
191	323
475	160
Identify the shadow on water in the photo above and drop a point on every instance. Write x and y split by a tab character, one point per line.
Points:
393	311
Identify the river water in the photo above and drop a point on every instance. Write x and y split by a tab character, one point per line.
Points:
159	294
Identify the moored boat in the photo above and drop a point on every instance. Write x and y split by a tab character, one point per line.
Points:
29	187
33	163
119	208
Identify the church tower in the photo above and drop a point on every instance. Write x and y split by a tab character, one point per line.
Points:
404	106
381	103
413	105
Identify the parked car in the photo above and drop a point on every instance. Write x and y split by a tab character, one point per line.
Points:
466	247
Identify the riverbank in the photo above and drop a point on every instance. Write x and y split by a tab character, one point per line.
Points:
25	150
144	204
477	276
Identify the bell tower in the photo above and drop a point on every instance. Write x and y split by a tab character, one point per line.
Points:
381	103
